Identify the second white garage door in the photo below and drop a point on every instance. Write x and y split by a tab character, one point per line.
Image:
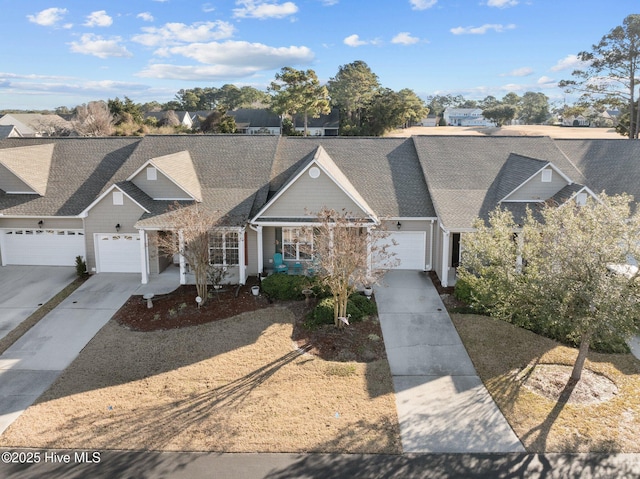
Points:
41	247
409	250
118	253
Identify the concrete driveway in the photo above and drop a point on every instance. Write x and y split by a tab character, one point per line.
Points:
33	362
24	288
443	407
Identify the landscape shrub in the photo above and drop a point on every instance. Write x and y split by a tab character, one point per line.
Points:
367	306
284	287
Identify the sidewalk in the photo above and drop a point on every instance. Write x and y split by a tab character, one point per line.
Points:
443	406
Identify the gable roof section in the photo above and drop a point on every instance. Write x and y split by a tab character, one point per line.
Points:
467	174
323	161
384	171
126	191
30	164
178	168
518	167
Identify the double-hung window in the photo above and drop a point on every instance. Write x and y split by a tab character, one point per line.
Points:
297	244
224	248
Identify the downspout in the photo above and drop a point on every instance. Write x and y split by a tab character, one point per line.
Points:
430	265
242	270
183	268
144	256
446	235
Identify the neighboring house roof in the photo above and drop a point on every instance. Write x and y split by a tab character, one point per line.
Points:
21	127
30	164
32	124
331	120
255	118
468	174
9	131
81	169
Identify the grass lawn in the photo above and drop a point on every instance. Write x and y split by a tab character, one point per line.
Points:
504	354
235	385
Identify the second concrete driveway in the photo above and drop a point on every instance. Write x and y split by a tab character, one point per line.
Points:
24	288
442	404
33	362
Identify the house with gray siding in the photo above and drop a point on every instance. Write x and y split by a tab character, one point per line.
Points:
106	199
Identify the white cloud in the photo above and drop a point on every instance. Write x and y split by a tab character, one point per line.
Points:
354	41
48	17
422	4
519	72
497	27
330	3
208	8
231	59
502	3
146	16
177	33
95	45
263	10
98	19
570	62
547	82
404	38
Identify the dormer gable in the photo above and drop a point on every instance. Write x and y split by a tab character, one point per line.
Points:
169	177
316	184
25	169
535	180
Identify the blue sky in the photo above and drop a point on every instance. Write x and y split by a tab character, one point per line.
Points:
63	52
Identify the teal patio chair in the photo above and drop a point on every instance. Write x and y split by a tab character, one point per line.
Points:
279	266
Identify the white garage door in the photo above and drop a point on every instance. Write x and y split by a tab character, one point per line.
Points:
118	253
409	249
58	247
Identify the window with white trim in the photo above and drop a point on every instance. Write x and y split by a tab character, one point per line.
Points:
581	199
224	248
547	176
297	244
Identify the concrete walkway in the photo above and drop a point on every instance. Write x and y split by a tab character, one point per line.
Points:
32	363
443	407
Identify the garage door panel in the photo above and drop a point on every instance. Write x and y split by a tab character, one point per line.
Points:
42	247
118	253
409	249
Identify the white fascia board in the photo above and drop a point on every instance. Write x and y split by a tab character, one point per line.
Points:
313	162
85	212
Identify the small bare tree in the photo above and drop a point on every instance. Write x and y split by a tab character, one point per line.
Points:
93	119
348	252
190	227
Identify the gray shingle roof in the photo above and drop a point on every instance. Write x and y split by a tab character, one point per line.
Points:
467	174
81	169
612	166
384	170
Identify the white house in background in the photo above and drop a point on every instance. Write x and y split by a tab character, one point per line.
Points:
465	117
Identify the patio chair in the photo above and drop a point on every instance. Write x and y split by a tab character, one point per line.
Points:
279	266
297	267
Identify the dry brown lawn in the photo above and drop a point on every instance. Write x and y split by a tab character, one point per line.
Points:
503	355
511	130
235	385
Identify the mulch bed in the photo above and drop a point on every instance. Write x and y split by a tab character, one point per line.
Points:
360	341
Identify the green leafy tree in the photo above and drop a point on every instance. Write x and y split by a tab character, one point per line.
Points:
299	92
534	108
352	90
218	122
611	69
566	268
126	111
500	114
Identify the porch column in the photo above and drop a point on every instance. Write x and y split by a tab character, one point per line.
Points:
369	252
431	245
242	268
445	258
183	266
144	257
260	250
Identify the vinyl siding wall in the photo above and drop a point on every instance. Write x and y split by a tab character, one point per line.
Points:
104	216
309	195
537	190
162	187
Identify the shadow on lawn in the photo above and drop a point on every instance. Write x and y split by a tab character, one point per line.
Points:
156	428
